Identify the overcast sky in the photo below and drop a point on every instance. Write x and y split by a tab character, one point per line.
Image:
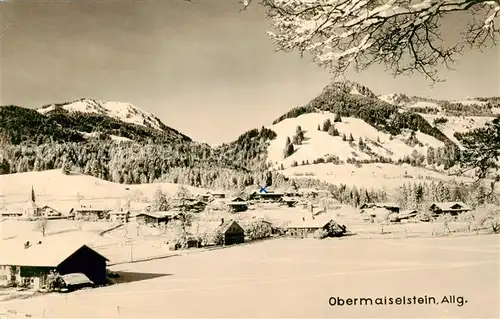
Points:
203	67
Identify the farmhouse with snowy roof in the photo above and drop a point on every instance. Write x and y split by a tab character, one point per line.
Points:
29	264
308	226
452	208
237	204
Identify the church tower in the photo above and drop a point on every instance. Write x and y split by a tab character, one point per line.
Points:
31	208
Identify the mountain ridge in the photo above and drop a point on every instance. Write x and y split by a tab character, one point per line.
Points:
371	128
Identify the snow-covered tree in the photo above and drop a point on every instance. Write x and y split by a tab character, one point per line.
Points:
403	35
160	201
41	226
326	125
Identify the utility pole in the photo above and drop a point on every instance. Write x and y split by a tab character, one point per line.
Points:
131	251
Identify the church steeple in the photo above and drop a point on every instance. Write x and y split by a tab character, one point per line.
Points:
32	194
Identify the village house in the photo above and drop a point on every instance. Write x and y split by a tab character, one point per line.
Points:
391	207
309	193
406	215
47	211
288	201
291	193
89	213
153	218
211	233
451	208
204	197
120	216
266	197
192	205
135	208
237	204
29	264
11	214
308	226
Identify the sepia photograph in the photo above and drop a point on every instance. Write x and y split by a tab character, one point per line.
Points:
249	159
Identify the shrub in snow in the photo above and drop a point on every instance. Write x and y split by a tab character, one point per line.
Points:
258	230
320	234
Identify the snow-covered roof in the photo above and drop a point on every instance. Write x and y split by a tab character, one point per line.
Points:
76	279
318	222
211	227
234	203
119	212
50	253
451	206
379	205
156	214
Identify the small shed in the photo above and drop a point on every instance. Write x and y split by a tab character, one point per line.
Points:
232	232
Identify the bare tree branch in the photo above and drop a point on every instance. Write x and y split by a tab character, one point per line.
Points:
400	34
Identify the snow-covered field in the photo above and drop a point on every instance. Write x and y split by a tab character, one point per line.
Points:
319	144
290	278
375	175
61	191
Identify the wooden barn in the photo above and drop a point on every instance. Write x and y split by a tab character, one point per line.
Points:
29	265
232	232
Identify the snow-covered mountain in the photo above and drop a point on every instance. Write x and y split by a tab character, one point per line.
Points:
404	101
124	112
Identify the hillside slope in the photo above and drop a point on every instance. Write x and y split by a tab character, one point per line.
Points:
319	144
346	99
61	191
